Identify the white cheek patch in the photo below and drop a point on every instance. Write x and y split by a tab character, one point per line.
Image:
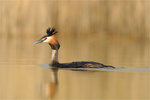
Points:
47	40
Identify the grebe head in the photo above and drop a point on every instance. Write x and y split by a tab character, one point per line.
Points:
50	39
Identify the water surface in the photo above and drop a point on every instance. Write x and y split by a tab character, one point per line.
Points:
24	74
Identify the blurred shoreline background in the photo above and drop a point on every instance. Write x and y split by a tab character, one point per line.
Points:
113	17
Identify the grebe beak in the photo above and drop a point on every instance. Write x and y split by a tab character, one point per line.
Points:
38	41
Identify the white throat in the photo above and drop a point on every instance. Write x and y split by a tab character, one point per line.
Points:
54	58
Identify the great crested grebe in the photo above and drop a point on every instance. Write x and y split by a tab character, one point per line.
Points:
52	41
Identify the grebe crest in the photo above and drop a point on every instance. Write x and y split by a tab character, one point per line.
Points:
50	39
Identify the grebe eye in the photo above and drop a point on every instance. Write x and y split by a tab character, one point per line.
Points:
44	38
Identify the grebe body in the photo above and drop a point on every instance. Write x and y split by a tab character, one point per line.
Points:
81	64
52	41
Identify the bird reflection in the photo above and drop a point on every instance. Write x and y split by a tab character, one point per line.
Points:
53	82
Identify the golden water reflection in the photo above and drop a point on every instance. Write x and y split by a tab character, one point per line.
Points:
34	82
22	76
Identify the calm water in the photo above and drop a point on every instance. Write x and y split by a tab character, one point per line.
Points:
26	75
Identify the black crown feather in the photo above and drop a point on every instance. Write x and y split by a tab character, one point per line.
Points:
51	31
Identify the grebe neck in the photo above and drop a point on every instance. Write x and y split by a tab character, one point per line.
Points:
54	44
54	58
